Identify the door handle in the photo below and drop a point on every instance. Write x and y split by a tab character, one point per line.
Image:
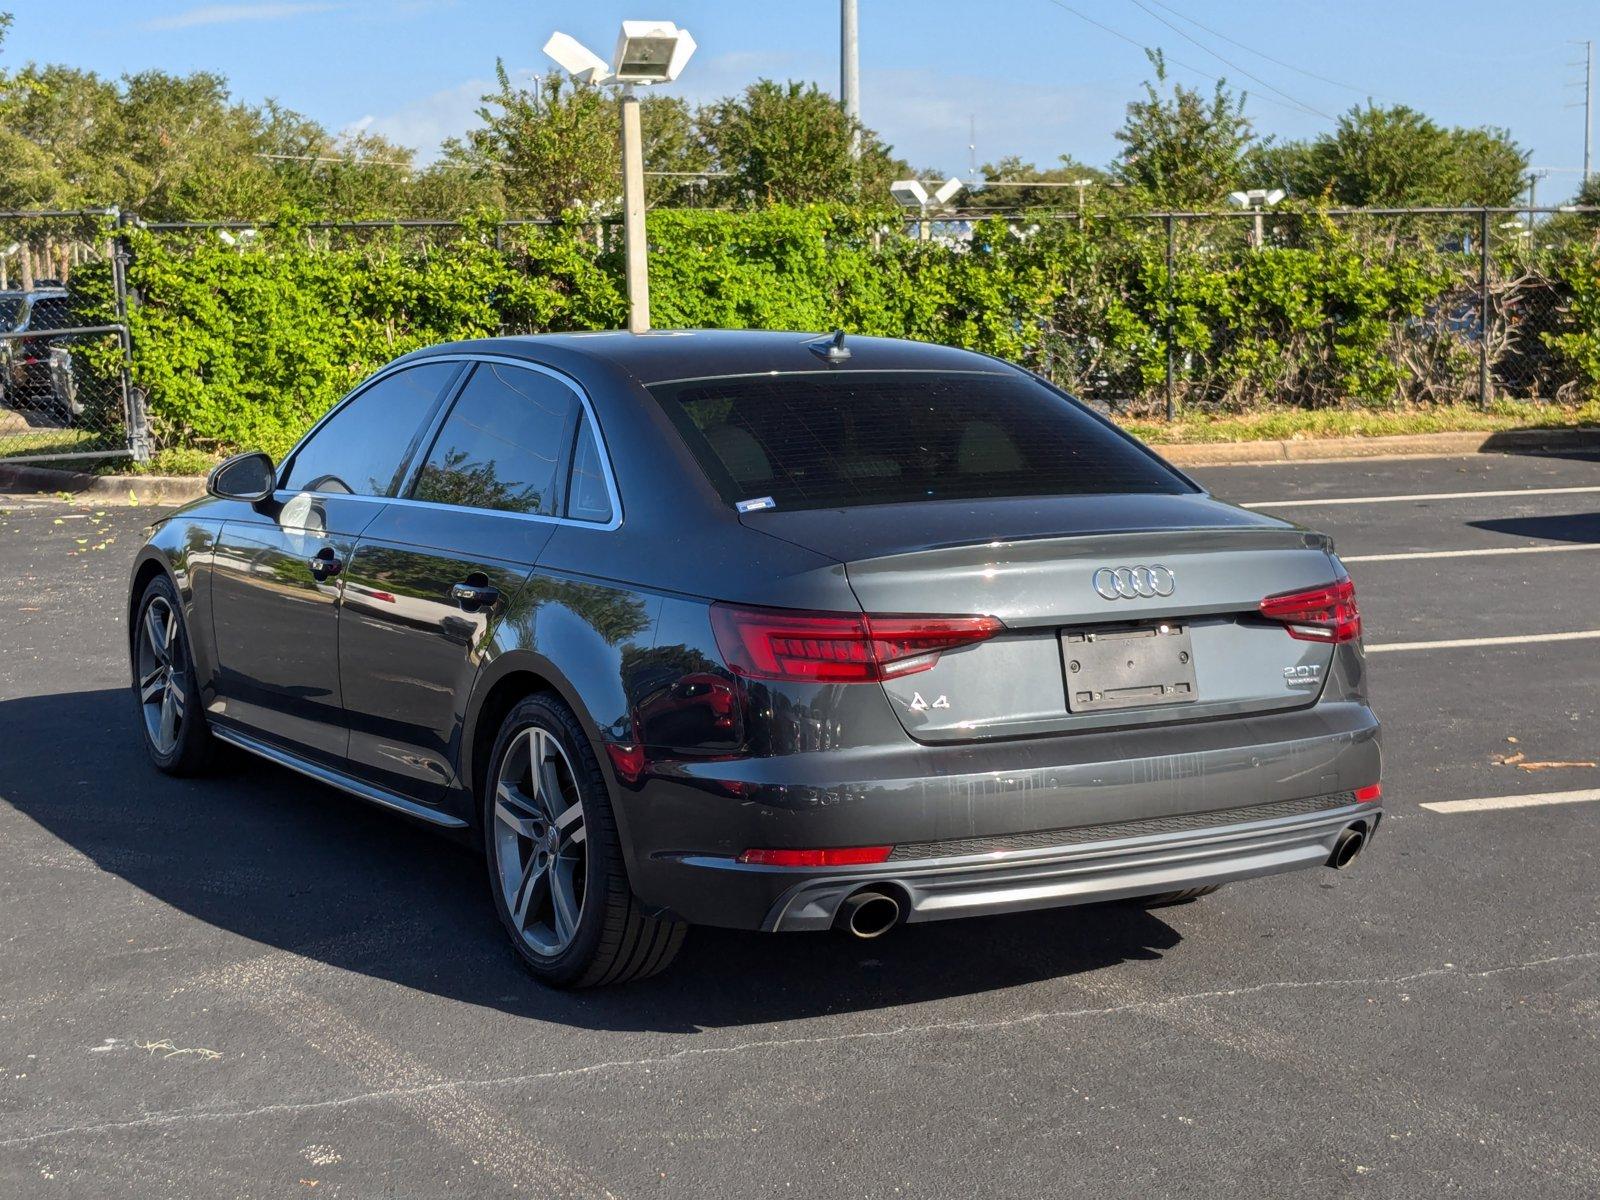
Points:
472	596
324	564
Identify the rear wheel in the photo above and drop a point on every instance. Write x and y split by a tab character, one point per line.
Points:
555	859
164	684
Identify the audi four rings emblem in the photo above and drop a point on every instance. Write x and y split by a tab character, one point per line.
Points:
1131	583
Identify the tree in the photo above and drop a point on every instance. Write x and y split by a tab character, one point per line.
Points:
1397	157
1186	150
790	144
1015	170
551	146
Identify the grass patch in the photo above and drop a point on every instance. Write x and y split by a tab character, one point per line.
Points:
1283	424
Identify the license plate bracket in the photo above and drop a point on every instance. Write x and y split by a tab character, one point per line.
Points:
1138	666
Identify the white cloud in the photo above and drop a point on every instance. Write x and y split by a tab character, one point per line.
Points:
927	116
228	14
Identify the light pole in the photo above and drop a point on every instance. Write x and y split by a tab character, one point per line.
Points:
850	72
1258	200
647	52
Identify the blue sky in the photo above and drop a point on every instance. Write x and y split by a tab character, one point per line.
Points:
1038	79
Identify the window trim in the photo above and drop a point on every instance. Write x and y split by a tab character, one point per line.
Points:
447	398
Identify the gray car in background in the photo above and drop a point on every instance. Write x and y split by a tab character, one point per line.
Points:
767	631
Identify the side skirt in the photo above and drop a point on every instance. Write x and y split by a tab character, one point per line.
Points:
345	783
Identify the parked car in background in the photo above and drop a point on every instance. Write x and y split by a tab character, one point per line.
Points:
37	369
766	631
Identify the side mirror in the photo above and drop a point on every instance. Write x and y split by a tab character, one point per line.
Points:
250	477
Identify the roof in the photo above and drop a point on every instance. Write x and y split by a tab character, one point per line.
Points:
700	353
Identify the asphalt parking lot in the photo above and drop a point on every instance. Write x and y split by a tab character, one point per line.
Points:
250	986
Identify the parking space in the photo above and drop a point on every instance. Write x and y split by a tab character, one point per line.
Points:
247	985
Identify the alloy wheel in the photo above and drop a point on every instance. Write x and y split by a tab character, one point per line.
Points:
541	848
162	670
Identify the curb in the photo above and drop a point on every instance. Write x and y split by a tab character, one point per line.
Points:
145	489
1410	445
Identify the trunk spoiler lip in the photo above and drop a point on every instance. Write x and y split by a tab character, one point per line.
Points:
1285	537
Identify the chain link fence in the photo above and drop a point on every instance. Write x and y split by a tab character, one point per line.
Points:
1216	311
65	391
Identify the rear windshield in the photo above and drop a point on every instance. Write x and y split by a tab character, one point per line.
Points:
846	438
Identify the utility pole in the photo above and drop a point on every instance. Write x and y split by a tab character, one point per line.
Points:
1588	106
1588	102
850	72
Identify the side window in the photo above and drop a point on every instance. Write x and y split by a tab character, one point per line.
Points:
502	442
360	449
53	312
587	498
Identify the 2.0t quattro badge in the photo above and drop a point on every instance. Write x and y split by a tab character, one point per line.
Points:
1131	583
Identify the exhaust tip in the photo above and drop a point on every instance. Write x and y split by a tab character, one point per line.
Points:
1348	845
868	914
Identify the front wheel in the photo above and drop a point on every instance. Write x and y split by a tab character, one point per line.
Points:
164	684
555	859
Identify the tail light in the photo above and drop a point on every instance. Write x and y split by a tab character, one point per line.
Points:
1322	614
820	647
846	856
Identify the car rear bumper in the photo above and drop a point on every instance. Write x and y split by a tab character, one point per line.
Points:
1114	870
1089	828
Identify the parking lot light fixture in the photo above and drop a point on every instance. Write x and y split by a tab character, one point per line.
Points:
911	194
1258	200
647	52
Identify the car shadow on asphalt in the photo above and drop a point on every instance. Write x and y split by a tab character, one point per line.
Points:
1564	527
263	853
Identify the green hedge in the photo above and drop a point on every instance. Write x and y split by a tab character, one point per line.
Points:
245	345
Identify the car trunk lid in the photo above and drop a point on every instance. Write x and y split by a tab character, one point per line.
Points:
1148	612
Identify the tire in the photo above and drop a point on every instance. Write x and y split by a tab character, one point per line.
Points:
1163	899
550	839
165	688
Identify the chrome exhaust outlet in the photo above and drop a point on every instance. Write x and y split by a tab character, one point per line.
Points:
1348	845
867	914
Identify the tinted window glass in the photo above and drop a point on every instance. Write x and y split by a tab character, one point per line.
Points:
501	443
10	312
362	447
859	437
587	498
53	313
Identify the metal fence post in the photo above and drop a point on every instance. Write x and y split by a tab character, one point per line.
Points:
133	408
1483	308
1170	314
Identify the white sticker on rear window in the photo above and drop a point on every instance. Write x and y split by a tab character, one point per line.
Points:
757	504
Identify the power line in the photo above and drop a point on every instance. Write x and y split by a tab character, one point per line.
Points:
1133	41
1263	54
1139	4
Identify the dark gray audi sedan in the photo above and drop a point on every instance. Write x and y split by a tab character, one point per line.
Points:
763	630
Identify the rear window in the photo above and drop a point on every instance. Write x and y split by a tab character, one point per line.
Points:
846	438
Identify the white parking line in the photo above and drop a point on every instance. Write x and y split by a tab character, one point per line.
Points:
1560	491
1576	635
1411	555
1533	800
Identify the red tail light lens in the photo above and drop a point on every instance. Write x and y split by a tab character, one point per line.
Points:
847	856
778	643
1324	614
1373	791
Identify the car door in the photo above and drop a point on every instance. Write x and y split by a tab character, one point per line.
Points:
279	572
434	572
